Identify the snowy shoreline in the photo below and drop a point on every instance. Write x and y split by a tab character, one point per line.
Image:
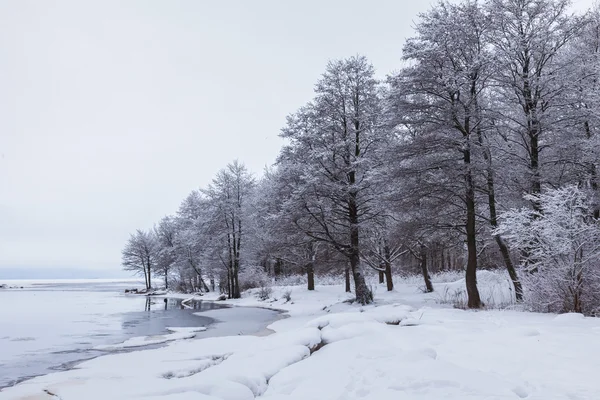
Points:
26	353
407	345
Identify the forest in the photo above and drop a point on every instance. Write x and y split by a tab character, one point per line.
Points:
479	152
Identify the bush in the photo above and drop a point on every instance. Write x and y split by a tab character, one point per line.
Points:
253	277
264	293
287	295
561	272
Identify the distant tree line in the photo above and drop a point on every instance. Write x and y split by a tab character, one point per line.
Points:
480	152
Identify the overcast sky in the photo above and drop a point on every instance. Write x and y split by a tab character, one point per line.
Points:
112	111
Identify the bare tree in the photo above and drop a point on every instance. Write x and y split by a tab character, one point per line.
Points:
139	255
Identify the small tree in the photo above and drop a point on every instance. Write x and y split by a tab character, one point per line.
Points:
562	264
139	255
166	255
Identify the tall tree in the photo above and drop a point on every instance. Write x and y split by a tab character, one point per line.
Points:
528	36
227	196
335	143
439	96
579	141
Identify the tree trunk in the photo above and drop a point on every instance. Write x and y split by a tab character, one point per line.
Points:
202	284
494	221
347	276
388	277
236	286
536	183
362	291
474	301
424	270
145	277
235	281
229	284
381	276
310	275
388	268
212	284
510	268
578	290
277	268
149	277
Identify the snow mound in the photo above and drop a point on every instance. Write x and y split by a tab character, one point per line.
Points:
568	317
389	314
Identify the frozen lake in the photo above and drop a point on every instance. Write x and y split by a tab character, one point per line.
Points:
50	325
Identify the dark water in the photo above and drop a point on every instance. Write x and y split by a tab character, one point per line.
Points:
54	326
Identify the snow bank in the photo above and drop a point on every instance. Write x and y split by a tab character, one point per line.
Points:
495	289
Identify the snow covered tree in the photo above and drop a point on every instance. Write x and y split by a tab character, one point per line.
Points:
528	37
335	142
226	201
139	255
579	139
438	101
563	248
193	243
166	256
280	239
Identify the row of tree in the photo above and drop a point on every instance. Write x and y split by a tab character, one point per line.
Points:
497	99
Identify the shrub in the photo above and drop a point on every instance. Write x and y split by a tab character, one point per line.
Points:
287	295
562	243
253	277
264	293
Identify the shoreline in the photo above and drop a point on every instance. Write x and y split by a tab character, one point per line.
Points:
323	347
210	330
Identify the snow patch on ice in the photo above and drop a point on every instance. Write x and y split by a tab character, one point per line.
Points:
176	334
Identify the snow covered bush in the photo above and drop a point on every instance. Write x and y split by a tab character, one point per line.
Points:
560	248
287	295
264	293
253	277
495	290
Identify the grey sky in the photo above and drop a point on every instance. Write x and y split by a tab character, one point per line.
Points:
112	111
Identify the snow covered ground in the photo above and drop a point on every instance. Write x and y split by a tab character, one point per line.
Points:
406	346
